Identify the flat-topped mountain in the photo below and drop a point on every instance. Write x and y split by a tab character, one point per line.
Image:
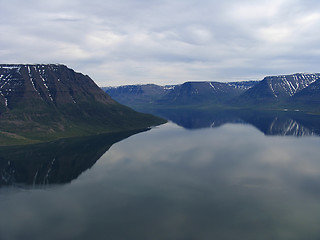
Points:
188	93
41	102
201	92
51	84
296	91
278	88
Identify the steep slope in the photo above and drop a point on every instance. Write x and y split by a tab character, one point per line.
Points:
275	89
308	96
44	102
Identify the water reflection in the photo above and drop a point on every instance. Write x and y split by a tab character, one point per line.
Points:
55	162
168	183
269	122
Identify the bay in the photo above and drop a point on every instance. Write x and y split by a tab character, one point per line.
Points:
227	182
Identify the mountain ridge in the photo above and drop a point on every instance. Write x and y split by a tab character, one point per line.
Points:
277	92
278	88
198	92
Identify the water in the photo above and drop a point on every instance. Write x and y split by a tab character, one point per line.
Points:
234	181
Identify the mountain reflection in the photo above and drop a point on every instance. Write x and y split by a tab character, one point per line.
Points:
279	123
55	162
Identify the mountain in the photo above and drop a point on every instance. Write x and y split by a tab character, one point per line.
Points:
189	93
297	91
44	102
274	89
137	94
310	96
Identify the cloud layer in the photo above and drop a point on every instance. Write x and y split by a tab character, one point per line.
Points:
164	42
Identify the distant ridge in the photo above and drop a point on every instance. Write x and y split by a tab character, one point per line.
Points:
182	94
296	91
278	88
41	102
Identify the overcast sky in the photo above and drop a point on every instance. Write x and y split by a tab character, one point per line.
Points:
164	41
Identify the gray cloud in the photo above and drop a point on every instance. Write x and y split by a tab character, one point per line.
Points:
131	41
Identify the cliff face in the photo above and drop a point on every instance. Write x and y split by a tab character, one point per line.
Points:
44	102
52	84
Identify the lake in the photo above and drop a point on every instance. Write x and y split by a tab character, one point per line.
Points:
217	177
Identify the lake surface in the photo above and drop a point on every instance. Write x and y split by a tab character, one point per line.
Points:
231	181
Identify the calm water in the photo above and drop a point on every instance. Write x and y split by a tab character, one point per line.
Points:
229	182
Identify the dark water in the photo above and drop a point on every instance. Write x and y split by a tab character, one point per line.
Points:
227	182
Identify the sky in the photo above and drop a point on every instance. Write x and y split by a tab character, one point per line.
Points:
164	41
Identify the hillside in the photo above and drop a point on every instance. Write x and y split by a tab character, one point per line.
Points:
308	97
45	102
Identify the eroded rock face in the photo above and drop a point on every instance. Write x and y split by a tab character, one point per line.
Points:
53	84
49	101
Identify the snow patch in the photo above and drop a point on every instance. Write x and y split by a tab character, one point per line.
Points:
45	84
74	101
270	84
168	87
31	80
17	68
211	85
